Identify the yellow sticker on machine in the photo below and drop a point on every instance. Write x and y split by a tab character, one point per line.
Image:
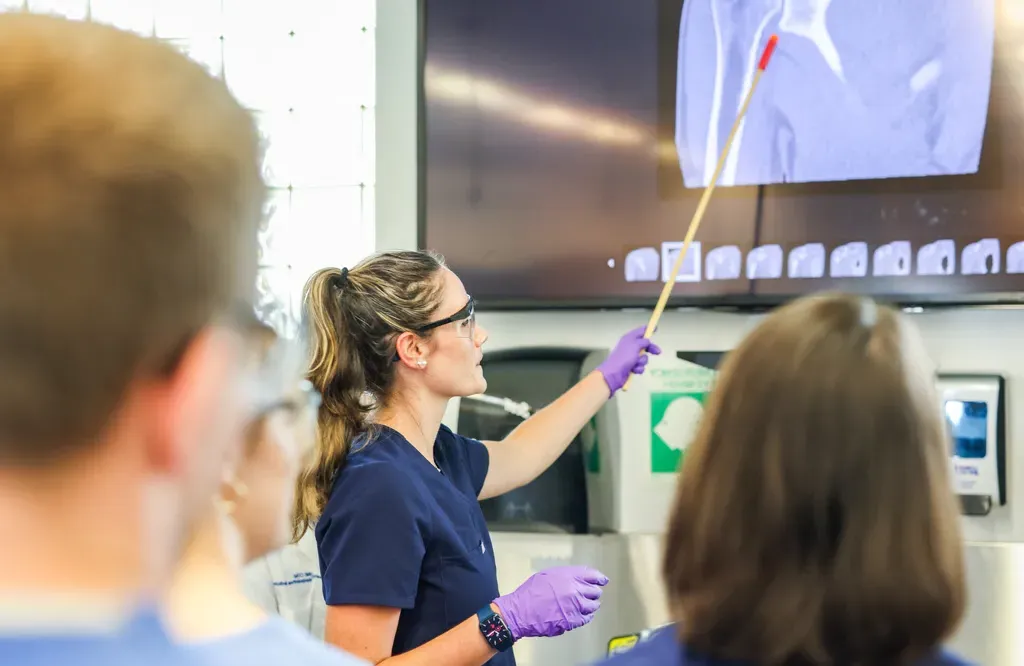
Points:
621	644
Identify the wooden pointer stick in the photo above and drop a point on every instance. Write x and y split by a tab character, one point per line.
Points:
698	215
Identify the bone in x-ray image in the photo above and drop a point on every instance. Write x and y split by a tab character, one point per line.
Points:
981	257
1015	258
765	263
937	258
643	265
892	260
724	263
807	261
689	271
858	89
849	260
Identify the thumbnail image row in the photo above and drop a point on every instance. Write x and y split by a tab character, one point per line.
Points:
812	260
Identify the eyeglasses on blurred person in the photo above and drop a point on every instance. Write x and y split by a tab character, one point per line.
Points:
249	517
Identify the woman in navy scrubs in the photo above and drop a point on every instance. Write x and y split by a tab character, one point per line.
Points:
814	522
408	572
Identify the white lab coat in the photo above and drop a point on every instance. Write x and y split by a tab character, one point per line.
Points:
287	582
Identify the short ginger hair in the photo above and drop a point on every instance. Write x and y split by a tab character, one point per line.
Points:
130	196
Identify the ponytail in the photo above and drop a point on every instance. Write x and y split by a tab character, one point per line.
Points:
352	323
337	372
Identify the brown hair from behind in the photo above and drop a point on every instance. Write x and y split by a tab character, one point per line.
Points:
814	522
353	318
132	193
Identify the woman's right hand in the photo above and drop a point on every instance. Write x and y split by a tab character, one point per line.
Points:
552	602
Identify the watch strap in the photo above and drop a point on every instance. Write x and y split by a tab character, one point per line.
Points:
487	619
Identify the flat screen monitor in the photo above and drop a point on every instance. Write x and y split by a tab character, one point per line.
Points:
565	145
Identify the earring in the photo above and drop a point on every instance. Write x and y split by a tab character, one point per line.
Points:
238	491
422	363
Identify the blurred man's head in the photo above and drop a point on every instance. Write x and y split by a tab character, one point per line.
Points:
131	192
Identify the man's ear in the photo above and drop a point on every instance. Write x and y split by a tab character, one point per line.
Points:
200	409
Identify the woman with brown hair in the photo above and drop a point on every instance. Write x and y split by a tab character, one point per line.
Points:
814	522
408	573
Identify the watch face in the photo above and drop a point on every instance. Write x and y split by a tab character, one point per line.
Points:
495	631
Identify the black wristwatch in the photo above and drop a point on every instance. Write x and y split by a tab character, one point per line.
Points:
494	630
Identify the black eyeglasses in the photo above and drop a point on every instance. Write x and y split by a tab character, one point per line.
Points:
300	407
465	318
467	315
305	398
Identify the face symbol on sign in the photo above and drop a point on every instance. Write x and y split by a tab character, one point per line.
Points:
679	424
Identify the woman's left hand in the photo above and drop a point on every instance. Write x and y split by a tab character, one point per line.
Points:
628	357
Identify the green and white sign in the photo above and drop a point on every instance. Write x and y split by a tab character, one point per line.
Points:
677	404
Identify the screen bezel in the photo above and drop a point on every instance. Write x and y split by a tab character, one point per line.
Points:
732	302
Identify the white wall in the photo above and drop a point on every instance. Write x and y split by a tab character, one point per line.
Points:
397	76
975	340
306	70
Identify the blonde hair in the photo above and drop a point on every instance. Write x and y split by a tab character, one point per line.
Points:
353	318
131	189
814	521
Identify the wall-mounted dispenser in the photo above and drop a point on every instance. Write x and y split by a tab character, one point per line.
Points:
974	409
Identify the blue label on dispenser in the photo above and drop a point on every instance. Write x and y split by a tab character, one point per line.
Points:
968	426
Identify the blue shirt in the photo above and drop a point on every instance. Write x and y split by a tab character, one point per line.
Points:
141	641
276	642
663	649
397	532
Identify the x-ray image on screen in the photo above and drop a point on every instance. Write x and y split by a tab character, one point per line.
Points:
881	153
858	89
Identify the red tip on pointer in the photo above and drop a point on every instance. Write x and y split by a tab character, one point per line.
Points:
769	48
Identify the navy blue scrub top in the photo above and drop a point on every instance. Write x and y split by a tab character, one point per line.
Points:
398	533
664	649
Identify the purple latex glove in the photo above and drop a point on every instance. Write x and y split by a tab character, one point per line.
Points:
627	358
552	602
